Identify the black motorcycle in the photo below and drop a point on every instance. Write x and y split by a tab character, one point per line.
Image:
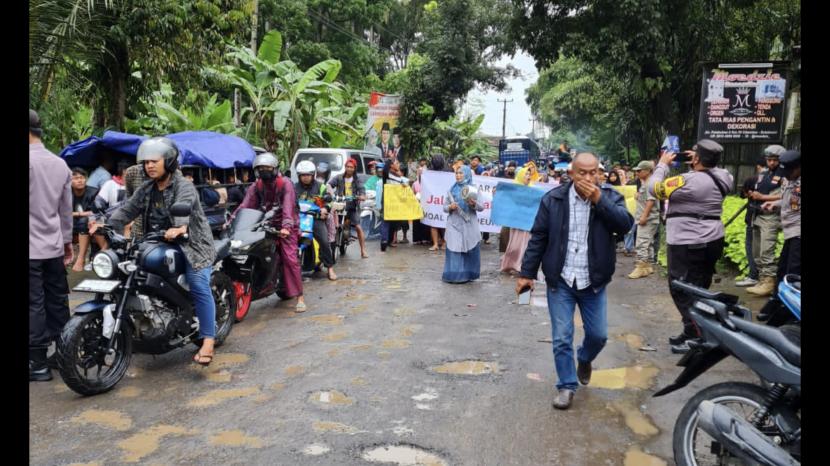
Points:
141	304
250	262
341	206
732	422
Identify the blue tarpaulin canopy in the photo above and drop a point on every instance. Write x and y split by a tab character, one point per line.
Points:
202	148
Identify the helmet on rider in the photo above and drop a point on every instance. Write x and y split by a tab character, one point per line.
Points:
159	148
306	167
265	166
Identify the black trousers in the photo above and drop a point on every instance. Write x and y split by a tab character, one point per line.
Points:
695	264
790	260
48	301
321	234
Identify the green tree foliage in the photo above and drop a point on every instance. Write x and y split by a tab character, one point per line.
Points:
163	117
654	49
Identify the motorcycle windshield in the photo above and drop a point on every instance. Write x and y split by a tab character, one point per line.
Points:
246	218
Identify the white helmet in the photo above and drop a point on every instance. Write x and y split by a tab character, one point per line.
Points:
266	159
306	167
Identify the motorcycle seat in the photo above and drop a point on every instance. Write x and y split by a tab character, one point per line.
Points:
703	293
223	248
773	337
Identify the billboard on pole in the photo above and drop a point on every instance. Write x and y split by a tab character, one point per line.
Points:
743	102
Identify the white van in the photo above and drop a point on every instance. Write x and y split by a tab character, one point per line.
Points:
336	158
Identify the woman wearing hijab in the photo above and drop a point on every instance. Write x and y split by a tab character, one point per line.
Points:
463	257
437	164
420	232
614	178
511	261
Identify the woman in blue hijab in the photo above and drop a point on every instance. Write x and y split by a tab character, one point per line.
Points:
463	257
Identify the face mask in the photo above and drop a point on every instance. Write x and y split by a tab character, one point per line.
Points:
266	175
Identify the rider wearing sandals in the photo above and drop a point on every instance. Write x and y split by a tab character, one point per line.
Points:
274	191
308	189
349	185
152	201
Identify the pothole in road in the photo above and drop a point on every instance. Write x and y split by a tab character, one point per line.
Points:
636	420
236	438
624	377
330	397
469	367
403	455
636	457
316	450
109	419
633	341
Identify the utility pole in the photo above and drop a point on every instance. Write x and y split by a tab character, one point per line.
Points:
532	128
504	117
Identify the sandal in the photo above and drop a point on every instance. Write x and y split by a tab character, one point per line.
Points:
330	273
363	255
199	356
301	307
433	248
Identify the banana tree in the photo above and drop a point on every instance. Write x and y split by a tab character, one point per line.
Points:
164	118
287	108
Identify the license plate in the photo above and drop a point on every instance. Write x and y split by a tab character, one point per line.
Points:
97	286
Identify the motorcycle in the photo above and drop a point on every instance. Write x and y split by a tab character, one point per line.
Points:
142	304
340	206
370	216
734	420
785	308
249	262
309	248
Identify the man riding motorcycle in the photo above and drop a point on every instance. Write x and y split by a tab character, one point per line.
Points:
152	201
274	191
309	189
349	185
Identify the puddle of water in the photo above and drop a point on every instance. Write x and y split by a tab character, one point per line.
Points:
337	336
277	386
109	419
403	455
326	319
221	376
361	347
96	463
322	426
316	450
638	422
396	344
128	392
392	287
624	377
214	397
294	370
60	388
331	397
359	381
249	330
467	368
410	330
633	341
636	457
147	441
333	352
236	438
224	360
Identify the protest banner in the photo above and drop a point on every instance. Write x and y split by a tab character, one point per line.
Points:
515	205
400	203
435	186
629	192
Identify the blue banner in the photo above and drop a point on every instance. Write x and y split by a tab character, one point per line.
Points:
515	205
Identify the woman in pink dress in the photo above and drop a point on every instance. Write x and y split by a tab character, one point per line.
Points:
511	261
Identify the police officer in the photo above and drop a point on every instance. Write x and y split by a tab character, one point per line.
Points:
766	224
694	230
790	205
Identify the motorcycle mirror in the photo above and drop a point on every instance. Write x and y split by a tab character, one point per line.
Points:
180	209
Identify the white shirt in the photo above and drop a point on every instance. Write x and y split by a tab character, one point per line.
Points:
575	269
109	192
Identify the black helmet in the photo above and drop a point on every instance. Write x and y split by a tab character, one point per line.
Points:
789	161
160	148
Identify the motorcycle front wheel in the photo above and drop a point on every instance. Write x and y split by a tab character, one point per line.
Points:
692	445
82	358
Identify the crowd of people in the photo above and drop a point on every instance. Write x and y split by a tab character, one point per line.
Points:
574	237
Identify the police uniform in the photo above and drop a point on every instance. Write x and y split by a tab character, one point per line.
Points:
694	230
766	225
790	260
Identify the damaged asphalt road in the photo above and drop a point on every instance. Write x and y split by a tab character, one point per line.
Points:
388	366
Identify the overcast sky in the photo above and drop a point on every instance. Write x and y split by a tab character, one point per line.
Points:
518	112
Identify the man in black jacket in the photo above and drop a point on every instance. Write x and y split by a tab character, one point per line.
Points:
573	239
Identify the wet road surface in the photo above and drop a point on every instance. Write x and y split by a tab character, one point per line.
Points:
389	366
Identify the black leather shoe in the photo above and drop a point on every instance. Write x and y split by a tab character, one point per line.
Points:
682	348
679	339
563	399
583	372
39	373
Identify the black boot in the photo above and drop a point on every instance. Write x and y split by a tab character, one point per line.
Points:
769	309
38	369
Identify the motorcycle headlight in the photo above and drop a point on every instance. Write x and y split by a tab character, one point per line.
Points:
103	264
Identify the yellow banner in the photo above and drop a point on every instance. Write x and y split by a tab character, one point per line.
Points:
630	194
400	203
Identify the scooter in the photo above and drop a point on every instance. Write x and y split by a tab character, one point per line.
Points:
309	248
785	308
251	262
768	428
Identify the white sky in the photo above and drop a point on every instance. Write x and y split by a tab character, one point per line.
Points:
518	112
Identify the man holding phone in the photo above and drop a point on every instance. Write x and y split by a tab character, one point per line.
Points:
561	243
694	230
